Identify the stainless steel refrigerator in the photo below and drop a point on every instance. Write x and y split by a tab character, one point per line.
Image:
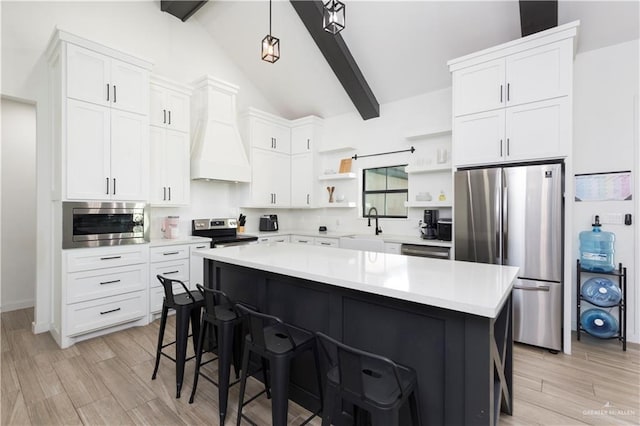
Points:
514	216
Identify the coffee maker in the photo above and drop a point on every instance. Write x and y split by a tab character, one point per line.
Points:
429	226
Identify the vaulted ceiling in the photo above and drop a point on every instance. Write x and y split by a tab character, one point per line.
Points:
401	47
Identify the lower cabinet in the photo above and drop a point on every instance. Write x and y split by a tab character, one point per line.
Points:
102	290
196	265
318	241
274	239
170	262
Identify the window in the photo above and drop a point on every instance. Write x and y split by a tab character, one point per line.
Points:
386	189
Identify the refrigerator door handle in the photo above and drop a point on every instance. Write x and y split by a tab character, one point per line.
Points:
505	224
537	288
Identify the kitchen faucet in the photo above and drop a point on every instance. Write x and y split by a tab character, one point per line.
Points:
378	229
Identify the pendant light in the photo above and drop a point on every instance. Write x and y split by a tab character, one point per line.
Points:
333	16
270	44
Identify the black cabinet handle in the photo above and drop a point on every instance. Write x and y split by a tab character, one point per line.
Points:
164	116
500	147
114	94
170	272
108	312
170	253
307	198
107	185
114	184
109	282
169	193
501	93
169	117
108	92
164	193
308	145
325	244
201	247
508	87
110	257
507	147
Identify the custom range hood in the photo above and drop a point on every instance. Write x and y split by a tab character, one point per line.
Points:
217	152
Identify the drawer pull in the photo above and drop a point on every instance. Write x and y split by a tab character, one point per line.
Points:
108	312
325	244
201	247
303	241
110	257
170	253
109	282
170	272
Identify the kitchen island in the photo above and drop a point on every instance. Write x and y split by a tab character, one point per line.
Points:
449	320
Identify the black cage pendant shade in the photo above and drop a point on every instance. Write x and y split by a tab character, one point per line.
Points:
270	44
333	16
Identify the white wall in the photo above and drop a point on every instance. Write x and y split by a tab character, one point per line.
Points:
18	205
181	51
605	90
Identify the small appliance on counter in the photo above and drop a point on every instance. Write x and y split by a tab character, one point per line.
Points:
428	228
170	227
269	222
444	229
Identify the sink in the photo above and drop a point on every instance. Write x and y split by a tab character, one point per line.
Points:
367	242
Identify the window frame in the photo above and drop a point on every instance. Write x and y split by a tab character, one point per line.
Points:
383	191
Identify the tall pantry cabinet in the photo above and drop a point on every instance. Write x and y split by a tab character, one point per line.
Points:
100	106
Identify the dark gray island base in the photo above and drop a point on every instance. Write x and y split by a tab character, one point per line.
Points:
463	361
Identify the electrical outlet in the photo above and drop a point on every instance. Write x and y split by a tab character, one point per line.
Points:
611	219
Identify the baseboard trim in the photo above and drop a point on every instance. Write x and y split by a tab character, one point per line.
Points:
37	328
14	306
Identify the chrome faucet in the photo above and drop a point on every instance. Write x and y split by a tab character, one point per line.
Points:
378	229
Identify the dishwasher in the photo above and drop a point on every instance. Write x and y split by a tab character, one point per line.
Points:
419	250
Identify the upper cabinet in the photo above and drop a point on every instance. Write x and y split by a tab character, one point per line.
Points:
305	138
103	80
513	102
169	108
99	105
270	135
169	104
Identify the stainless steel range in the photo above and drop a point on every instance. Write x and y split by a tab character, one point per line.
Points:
223	232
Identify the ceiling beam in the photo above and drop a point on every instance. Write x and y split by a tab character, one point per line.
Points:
181	9
339	57
538	15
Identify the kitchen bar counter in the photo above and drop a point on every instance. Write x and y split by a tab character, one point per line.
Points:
473	288
188	239
387	238
450	321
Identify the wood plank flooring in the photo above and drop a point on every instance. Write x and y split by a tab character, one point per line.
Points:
107	381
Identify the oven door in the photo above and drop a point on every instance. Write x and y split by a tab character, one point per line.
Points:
91	224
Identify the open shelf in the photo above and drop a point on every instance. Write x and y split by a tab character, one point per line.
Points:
344	204
337	176
428	133
428	169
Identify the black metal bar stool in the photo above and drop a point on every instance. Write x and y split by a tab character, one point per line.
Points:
368	381
278	343
187	306
219	312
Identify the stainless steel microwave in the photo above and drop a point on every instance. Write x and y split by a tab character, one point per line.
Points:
94	224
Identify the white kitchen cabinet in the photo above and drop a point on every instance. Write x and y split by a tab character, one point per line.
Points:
170	261
270	179
513	102
99	121
102	290
196	264
106	153
103	80
532	75
303	181
274	239
270	135
169	105
170	183
326	241
393	248
533	131
169	145
305	135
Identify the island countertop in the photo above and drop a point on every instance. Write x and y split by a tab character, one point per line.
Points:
473	288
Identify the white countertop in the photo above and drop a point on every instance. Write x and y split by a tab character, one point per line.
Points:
387	238
187	239
473	288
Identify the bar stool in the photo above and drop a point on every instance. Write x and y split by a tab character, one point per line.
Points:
278	343
187	306
219	312
368	381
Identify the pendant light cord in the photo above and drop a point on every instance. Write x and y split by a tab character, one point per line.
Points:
269	17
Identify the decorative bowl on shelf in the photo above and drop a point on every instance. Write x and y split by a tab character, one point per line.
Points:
599	323
601	292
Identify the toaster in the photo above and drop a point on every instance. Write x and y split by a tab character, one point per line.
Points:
269	222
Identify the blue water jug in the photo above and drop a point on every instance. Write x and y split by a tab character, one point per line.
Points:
596	249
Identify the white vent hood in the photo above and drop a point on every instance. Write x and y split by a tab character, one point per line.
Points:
217	152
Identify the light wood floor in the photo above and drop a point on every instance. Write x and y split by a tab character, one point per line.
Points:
107	380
